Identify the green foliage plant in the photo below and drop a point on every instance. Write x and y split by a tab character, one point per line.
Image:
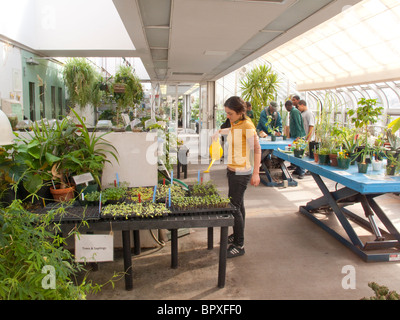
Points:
133	92
366	114
82	82
382	293
28	243
259	86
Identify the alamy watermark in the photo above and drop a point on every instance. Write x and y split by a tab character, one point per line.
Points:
49	280
349	280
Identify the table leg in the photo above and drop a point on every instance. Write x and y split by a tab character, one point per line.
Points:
136	242
174	248
126	244
223	246
210	238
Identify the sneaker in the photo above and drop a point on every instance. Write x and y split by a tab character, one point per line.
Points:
235	251
231	238
301	176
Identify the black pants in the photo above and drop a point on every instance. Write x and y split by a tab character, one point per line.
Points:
237	186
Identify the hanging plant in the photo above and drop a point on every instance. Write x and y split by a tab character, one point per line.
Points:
81	80
127	89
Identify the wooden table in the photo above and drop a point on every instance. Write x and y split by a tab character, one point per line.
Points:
357	188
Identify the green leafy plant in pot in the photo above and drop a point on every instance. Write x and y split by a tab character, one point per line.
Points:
127	90
366	114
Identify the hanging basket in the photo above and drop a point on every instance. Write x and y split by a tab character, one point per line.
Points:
119	88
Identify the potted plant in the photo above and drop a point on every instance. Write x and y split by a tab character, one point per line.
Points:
259	86
343	160
298	147
323	156
366	114
127	90
83	84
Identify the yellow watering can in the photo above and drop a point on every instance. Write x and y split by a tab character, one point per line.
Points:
216	153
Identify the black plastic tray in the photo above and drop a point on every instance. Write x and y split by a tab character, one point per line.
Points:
73	212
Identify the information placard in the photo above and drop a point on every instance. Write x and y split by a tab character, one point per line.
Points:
94	247
83	178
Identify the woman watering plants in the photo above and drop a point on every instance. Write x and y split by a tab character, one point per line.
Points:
242	141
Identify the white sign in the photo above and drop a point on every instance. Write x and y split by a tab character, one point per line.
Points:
83	178
94	247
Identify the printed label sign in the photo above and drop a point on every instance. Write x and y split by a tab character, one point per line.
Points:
94	248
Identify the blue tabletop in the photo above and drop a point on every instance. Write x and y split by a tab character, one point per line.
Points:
267	144
371	182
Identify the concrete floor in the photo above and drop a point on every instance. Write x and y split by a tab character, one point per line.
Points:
287	255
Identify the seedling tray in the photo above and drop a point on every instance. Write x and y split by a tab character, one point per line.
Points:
201	211
72	212
138	214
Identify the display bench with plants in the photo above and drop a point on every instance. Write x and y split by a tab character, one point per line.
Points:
121	202
341	146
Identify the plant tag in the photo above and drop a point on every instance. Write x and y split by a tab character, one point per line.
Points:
94	247
83	178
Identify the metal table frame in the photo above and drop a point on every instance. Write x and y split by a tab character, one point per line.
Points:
173	223
267	147
357	188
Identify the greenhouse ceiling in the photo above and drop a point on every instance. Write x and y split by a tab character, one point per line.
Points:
177	40
361	45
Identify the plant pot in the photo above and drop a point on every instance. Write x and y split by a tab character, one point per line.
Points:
273	137
323	159
119	88
312	146
284	137
376	165
62	195
298	153
362	167
333	159
83	188
316	157
390	170
344	163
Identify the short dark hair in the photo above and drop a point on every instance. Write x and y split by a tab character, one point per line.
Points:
303	102
296	97
288	103
236	104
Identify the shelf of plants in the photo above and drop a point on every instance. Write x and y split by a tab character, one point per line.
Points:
119	203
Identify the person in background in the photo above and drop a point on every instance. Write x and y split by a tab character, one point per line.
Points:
249	111
295	101
296	128
242	141
276	121
308	120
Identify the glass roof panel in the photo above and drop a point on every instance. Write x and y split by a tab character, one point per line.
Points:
362	44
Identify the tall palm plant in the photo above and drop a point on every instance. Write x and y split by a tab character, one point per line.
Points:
259	87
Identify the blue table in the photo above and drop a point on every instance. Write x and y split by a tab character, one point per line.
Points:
269	162
357	188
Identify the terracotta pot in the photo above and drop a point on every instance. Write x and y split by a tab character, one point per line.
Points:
316	159
61	195
333	158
